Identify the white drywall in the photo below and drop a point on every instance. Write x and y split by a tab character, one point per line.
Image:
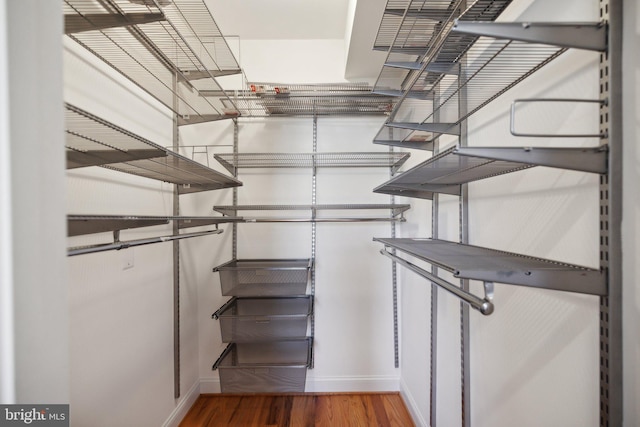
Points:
121	335
35	336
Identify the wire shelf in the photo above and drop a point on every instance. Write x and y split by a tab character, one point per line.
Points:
447	171
478	263
152	54
310	160
278	99
93	141
90	224
414	38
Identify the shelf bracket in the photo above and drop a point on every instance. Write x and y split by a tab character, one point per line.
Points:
190	75
588	35
414	94
202	118
101	21
434	67
446	128
417	145
592	160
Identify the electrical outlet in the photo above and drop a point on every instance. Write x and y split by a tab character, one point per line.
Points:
127	258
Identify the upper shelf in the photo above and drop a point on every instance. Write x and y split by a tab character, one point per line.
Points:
497	56
92	141
174	52
287	100
447	171
310	160
89	224
478	263
410	31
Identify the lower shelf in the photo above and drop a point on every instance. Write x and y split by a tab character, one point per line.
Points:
265	367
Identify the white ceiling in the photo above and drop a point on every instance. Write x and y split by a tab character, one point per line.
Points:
309	20
281	19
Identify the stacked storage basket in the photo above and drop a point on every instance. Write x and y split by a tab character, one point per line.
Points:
265	323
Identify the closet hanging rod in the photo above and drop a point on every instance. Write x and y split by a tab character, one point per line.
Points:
483	305
124	245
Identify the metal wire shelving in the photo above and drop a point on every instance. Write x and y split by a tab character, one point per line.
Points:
172	49
446	172
490	265
307	100
92	141
312	160
497	57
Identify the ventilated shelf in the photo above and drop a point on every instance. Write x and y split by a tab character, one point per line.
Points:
411	33
497	57
309	160
305	100
489	265
447	171
173	52
93	141
90	224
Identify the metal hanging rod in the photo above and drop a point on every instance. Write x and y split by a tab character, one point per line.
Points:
124	245
483	305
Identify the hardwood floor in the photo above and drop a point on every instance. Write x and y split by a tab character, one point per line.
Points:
299	410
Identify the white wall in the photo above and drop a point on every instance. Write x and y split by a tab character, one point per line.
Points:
34	345
121	336
535	360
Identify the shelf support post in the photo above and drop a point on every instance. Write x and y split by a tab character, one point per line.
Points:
176	256
611	359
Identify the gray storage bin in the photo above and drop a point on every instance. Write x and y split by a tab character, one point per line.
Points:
264	318
265	367
264	277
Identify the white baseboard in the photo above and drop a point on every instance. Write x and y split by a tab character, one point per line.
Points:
412	406
209	385
352	384
327	384
185	403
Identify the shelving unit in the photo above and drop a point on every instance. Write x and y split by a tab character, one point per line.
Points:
497	57
173	50
446	61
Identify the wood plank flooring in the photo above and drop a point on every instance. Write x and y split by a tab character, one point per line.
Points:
299	410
